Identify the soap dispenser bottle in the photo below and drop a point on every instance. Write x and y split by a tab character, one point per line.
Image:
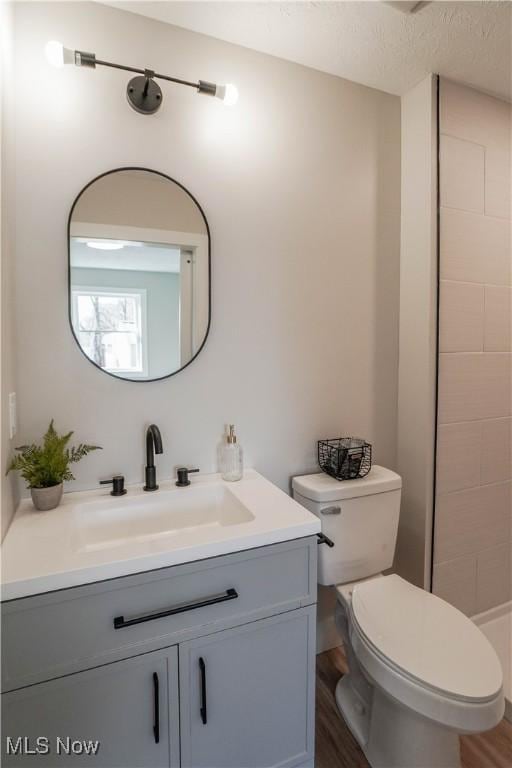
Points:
232	467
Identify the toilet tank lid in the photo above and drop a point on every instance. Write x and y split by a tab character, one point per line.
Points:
322	487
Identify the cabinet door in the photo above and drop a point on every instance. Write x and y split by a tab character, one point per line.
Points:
130	708
247	694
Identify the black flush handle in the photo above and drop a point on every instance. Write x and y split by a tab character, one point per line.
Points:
323	539
230	594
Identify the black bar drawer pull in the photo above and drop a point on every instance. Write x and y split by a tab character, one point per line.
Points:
202	710
230	594
156	708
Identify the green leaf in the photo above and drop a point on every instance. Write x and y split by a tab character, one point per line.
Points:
42	466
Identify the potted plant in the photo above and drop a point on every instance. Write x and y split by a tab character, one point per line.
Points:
45	467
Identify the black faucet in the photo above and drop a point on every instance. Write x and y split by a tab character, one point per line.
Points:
183	474
153	445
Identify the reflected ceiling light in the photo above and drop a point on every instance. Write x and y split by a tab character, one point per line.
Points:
105	245
142	92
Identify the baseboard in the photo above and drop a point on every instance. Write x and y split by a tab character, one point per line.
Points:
497	612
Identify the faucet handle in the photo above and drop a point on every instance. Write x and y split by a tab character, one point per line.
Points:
118	485
183	474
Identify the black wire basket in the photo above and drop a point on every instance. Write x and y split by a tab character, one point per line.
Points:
345	458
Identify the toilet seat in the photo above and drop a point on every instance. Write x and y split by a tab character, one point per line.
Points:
426	638
425	653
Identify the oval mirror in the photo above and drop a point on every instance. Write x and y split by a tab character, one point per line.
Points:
139	274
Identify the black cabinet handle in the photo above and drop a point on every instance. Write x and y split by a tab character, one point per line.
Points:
230	594
156	708
202	667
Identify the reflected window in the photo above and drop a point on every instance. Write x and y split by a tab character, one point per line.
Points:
111	327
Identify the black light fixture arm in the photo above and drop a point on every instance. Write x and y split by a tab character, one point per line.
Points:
83	59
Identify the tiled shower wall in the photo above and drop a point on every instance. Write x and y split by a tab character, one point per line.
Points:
473	518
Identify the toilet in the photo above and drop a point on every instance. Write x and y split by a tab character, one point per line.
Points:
420	671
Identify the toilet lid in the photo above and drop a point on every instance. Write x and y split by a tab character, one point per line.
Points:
427	638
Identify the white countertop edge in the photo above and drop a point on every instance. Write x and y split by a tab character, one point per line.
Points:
56	581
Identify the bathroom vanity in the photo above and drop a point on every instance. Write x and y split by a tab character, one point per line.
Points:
206	660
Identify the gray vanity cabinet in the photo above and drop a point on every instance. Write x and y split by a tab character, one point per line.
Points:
129	707
247	695
230	639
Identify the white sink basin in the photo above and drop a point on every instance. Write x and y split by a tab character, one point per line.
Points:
109	522
93	536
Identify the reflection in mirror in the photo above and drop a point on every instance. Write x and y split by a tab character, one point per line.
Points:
139	269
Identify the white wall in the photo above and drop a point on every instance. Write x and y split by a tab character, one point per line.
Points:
7	341
418	330
301	187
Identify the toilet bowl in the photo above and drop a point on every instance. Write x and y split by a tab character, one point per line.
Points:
420	672
430	674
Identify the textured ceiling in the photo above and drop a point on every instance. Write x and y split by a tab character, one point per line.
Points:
368	42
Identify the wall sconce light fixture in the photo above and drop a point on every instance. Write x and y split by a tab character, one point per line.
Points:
142	92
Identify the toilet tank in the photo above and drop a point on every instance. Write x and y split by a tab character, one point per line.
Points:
361	518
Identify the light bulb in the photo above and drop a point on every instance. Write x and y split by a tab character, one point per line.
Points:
57	55
227	93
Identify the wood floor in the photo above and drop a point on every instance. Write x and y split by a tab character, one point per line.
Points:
337	748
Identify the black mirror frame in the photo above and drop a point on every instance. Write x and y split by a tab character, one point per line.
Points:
77	198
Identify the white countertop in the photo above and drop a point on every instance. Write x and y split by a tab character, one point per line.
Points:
42	551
